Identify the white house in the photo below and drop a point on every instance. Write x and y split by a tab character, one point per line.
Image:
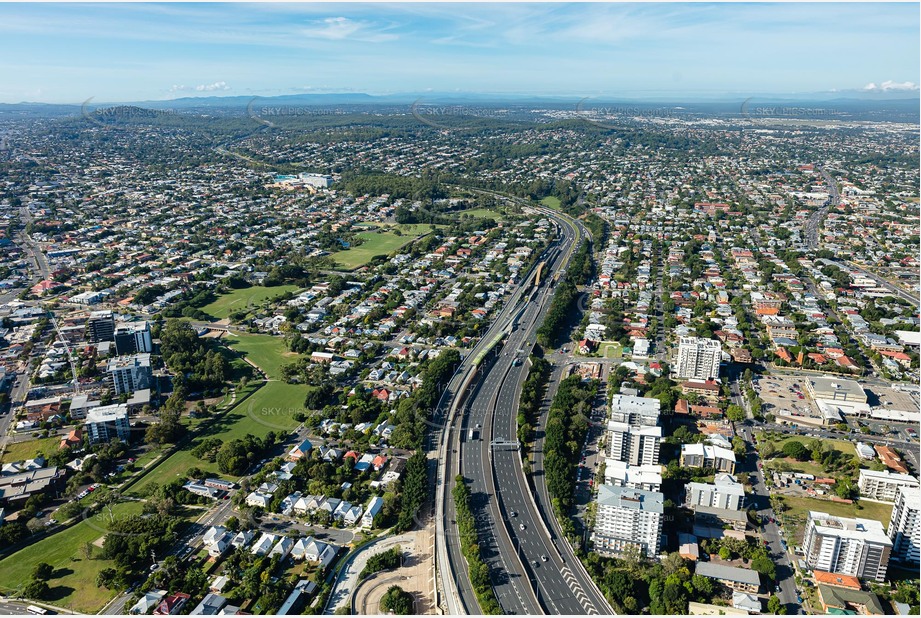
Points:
257	498
282	548
243	538
264	545
374	507
213	534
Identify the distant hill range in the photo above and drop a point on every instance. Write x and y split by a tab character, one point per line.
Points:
900	106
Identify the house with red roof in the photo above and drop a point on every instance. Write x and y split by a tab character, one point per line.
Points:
172	604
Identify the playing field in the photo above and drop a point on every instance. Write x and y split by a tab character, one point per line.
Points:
266	351
30	449
241	299
375	244
73	583
551	202
480	213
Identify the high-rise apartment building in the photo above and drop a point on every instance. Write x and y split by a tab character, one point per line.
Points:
698	358
858	547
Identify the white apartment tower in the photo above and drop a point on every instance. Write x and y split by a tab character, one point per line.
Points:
628	517
634	445
905	525
698	358
857	547
633	431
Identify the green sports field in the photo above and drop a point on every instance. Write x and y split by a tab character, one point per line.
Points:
551	202
266	351
241	299
375	244
270	408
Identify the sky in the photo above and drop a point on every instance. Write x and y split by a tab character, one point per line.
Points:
67	53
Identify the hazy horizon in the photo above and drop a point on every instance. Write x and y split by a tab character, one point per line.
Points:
67	53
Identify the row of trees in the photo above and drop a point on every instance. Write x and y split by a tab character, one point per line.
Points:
567	425
479	570
567	292
532	394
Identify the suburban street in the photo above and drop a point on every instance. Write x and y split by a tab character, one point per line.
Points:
760	501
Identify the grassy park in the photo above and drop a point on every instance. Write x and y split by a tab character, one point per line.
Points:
551	202
269	407
73	583
244	298
266	351
375	244
480	213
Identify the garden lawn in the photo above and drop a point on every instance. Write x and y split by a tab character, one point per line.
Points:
244	298
610	350
30	449
73	583
270	408
375	244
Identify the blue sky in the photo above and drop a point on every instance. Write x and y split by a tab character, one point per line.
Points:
67	53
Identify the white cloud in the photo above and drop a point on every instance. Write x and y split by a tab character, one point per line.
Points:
340	28
212	87
888	85
216	86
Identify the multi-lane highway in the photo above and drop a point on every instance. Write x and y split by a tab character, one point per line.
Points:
815	221
532	571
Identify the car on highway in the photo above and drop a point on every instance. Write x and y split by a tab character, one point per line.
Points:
514	513
521	526
544	557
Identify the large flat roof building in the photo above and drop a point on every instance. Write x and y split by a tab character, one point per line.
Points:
836	389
